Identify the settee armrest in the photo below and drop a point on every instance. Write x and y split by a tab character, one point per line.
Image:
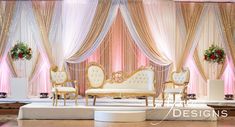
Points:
108	81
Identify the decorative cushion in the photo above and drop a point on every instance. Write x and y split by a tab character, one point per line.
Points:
95	76
58	77
174	90
64	89
110	91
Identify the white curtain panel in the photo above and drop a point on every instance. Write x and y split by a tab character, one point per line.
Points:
209	35
111	16
199	29
24	33
161	17
5	72
180	39
77	17
223	34
229	73
131	27
55	33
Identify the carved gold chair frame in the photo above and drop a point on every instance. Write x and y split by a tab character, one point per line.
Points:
64	93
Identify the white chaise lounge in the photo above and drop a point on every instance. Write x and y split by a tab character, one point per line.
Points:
139	83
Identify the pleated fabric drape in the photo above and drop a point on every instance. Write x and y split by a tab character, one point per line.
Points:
191	20
43	17
227	11
210	34
161	17
6	20
138	17
43	12
126	58
102	12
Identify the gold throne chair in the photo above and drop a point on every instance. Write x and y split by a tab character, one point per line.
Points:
178	84
59	80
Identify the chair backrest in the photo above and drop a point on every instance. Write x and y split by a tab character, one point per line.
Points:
58	77
95	75
180	78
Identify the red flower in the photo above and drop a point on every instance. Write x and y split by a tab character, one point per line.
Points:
219	52
212	57
20	55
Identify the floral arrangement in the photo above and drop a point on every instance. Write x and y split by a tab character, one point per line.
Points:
21	51
214	54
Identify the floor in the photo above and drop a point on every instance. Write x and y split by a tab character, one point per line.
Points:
11	121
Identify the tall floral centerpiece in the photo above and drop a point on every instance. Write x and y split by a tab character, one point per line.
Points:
215	87
214	54
21	51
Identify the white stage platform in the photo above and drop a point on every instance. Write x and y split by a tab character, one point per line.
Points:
47	111
43	109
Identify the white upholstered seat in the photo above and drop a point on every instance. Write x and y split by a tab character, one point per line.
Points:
118	91
64	89
140	83
174	90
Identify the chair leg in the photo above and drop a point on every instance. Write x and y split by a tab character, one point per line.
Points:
183	103
53	99
184	99
56	99
94	100
86	100
146	100
154	101
163	99
65	99
76	99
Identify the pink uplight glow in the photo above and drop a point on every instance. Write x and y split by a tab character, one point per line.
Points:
229	78
194	73
94	57
142	59
42	77
5	75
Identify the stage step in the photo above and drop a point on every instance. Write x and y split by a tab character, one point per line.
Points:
120	116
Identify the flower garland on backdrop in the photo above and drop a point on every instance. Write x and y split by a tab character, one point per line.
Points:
21	51
215	54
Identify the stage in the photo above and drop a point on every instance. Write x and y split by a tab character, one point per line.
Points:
118	110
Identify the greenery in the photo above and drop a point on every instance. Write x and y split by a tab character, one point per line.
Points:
214	54
21	51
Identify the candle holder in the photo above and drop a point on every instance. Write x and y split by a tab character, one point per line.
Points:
3	94
228	97
43	95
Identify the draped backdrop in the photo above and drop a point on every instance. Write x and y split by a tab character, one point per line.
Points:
121	35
